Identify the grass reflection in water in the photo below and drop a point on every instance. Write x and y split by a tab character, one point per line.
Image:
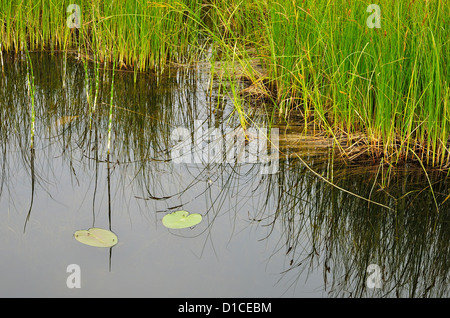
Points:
311	224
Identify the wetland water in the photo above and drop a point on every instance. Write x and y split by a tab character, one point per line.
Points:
285	234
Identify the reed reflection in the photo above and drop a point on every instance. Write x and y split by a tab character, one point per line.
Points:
315	224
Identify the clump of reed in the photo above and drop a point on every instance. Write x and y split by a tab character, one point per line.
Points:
140	34
391	83
378	92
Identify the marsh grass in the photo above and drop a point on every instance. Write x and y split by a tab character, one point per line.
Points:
378	93
389	83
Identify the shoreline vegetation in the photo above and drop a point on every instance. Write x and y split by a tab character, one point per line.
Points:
380	93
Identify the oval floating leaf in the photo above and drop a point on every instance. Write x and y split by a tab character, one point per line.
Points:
181	220
96	237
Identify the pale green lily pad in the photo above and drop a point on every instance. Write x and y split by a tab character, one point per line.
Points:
181	220
96	237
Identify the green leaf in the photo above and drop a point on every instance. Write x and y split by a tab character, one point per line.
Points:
181	220
96	237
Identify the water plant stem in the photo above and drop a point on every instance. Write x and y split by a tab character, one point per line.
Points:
110	110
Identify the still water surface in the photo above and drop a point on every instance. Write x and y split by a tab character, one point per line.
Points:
287	234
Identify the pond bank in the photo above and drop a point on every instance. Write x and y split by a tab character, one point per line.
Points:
324	62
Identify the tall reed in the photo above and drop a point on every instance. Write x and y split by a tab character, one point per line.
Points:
31	91
110	111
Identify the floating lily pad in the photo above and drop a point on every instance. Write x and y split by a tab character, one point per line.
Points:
96	237
181	220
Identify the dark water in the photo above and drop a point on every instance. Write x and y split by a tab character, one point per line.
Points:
283	234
